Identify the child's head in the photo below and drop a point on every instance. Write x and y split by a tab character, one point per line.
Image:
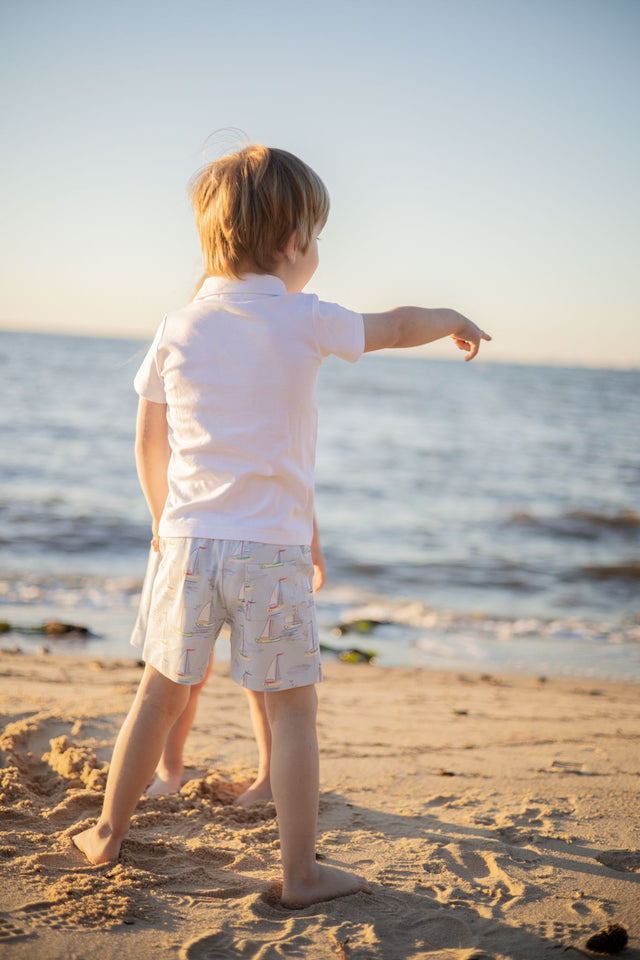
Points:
248	205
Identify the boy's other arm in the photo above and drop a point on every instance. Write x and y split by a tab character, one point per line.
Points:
413	326
317	558
152	458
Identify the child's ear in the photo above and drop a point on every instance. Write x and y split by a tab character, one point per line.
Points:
290	250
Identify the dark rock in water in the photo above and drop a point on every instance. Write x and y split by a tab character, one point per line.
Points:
53	628
610	940
354	655
357	656
357	626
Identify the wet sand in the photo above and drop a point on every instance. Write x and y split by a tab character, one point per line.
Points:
494	817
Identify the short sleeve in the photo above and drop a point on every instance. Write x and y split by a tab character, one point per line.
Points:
148	380
340	331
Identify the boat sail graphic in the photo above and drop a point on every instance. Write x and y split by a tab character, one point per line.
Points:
242	554
276	562
276	603
244	597
270	634
273	678
193	564
245	676
314	646
243	653
204	617
295	622
184	666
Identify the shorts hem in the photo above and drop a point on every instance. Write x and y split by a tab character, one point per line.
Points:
167	672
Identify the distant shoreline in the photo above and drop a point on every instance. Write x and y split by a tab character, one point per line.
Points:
487	358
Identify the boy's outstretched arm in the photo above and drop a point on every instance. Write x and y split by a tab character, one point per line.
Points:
413	326
152	458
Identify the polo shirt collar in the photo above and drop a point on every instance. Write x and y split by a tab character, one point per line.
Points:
252	284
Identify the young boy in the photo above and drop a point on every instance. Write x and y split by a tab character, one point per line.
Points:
225	452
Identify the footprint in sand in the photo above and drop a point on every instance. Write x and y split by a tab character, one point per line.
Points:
218	945
46	913
562	934
625	861
413	925
471	870
586	907
10	931
168	860
270	926
76	806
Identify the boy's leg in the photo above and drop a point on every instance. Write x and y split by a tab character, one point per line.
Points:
158	703
295	784
260	789
168	773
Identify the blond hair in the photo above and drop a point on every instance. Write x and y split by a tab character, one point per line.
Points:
248	204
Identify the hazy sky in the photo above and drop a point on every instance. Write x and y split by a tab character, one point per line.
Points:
480	154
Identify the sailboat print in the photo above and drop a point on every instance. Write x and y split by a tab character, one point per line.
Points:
204	617
276	562
244	597
273	678
295	623
276	603
243	653
184	666
244	678
269	634
314	646
242	554
193	564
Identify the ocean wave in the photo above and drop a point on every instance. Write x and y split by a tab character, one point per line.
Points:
427	621
52	526
628	571
70	591
584	524
477	573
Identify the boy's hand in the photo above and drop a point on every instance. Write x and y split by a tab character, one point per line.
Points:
317	558
469	337
319	569
155	539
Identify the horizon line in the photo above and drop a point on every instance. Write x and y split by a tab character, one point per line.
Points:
410	352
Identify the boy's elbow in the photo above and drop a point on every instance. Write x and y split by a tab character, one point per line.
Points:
383	330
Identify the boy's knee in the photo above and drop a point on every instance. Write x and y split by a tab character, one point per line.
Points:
301	702
166	695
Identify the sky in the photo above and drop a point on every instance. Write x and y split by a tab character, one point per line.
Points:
480	154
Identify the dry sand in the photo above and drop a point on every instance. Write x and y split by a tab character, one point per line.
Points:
494	818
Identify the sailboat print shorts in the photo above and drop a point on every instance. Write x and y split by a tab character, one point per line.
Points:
263	591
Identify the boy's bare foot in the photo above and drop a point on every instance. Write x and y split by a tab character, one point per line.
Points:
165	781
97	845
259	790
327	883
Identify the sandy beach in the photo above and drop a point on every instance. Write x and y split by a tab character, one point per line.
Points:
494	817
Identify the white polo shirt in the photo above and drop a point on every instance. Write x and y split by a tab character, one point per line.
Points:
238	371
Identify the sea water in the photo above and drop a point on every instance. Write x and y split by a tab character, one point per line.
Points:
473	516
